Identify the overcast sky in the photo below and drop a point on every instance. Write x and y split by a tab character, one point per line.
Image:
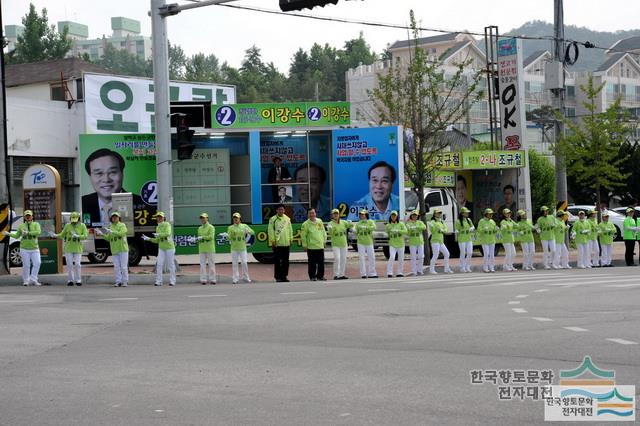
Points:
229	32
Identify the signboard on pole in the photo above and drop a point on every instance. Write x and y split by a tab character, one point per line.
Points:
301	114
511	85
125	104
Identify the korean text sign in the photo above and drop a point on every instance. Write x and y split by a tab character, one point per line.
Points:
244	116
511	77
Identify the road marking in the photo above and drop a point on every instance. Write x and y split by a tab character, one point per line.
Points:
17	301
542	290
159	411
383	289
208	295
118	299
298	292
542	319
577	329
514	302
522	296
622	341
519	310
623	285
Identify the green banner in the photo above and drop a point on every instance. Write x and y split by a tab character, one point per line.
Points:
301	114
48	256
473	160
441	179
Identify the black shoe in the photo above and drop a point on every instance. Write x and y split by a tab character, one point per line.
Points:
364	277
313	279
336	278
70	284
285	280
78	284
322	279
389	276
375	276
400	276
344	278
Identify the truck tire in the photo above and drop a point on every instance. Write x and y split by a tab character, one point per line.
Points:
135	253
98	257
265	258
15	261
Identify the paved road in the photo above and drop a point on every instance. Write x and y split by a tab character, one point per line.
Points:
352	352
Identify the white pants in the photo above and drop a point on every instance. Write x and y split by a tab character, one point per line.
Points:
548	251
595	253
417	259
207	267
489	260
73	267
561	258
466	250
367	261
30	261
241	258
121	267
393	252
438	248
339	261
169	257
528	251
583	255
605	259
509	255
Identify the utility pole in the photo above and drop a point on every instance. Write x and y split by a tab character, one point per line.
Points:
558	94
5	197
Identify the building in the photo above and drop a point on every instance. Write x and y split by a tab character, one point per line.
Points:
11	33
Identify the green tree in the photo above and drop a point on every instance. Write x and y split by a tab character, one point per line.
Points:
543	181
124	63
39	41
592	145
203	68
177	62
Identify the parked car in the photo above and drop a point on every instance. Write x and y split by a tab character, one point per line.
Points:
614	217
623	210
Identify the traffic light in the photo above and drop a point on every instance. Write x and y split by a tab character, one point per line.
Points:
184	135
288	5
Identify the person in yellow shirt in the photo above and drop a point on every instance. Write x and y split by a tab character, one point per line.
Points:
280	235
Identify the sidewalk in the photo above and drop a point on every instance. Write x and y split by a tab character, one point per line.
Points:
144	274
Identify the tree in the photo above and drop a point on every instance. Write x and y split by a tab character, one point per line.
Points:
592	145
177	62
543	181
203	68
39	41
122	62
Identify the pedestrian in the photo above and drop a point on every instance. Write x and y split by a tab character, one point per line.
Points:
525	236
580	232
545	226
166	249
314	237
438	229
415	230
561	258
606	233
280	235
594	249
629	232
486	231
116	234
238	233
364	237
507	230
396	231
206	241
72	236
338	230
28	232
464	231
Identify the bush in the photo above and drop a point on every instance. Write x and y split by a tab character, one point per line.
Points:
543	182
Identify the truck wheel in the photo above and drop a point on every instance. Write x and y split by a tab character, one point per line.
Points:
15	260
385	250
98	257
135	254
265	258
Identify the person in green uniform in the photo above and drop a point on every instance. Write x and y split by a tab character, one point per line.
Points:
507	231
206	240
28	232
415	230
338	231
606	233
364	236
545	226
438	229
629	231
280	234
396	231
238	233
525	236
314	238
116	235
561	258
486	231
580	232
594	248
464	231
166	249
72	236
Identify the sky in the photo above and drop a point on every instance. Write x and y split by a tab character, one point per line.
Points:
227	32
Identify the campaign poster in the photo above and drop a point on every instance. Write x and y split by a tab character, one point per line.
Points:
368	171
117	163
464	191
495	189
295	174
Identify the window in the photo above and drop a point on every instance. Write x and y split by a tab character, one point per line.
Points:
570	112
433	199
79	90
571	91
57	92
